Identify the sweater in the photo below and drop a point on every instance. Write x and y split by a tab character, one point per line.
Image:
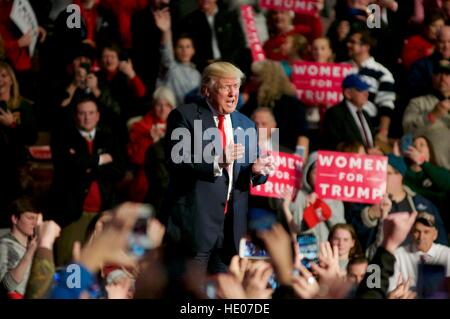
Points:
181	78
11	252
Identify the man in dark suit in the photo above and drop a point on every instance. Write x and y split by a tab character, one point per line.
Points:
217	35
88	161
348	121
212	166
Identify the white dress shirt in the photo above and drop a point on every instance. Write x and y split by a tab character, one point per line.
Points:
214	43
408	258
353	109
228	126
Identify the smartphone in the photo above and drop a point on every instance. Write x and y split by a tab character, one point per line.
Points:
211	290
405	142
87	67
273	282
248	249
138	240
123	56
307	244
431	282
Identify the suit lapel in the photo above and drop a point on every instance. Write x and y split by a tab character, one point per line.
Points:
353	126
236	123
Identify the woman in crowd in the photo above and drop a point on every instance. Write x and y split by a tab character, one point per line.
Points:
344	237
321	52
422	45
272	89
303	213
145	132
425	177
118	75
18	129
280	25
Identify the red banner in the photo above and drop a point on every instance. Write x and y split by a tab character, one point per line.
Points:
251	33
301	6
319	83
351	177
286	177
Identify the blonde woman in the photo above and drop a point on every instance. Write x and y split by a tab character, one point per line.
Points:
272	89
17	129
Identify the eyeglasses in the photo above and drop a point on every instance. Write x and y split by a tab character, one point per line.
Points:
354	42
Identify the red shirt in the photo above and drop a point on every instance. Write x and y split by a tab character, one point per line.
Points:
19	57
415	48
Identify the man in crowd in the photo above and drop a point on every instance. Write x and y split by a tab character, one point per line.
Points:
419	78
348	121
217	35
381	82
17	248
209	186
421	250
87	162
429	115
357	268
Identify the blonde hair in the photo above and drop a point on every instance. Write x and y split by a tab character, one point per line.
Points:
166	94
220	70
15	98
274	82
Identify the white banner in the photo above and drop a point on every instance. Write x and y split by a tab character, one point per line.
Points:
23	16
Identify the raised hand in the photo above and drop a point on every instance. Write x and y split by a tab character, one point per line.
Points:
402	290
305	285
163	19
395	228
256	280
264	165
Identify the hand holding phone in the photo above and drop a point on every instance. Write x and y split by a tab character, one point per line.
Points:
248	249
406	142
307	244
139	241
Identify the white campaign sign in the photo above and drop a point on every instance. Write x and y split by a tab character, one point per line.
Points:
23	16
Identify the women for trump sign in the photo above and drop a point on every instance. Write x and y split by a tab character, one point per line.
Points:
351	177
302	6
285	178
319	83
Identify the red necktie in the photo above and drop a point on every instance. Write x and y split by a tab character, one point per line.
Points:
90	145
221	127
223	140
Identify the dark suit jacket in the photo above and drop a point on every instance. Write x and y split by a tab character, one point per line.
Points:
230	38
196	198
75	169
339	126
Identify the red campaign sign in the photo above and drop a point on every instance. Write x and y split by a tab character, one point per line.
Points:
286	177
252	33
301	6
319	83
351	177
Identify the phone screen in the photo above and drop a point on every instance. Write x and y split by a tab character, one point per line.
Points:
248	249
405	142
431	282
138	240
307	244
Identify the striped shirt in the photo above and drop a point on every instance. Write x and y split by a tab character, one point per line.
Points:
381	92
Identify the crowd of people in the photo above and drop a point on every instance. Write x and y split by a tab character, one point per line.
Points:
114	97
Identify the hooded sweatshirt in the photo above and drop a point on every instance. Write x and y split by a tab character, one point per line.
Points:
322	229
